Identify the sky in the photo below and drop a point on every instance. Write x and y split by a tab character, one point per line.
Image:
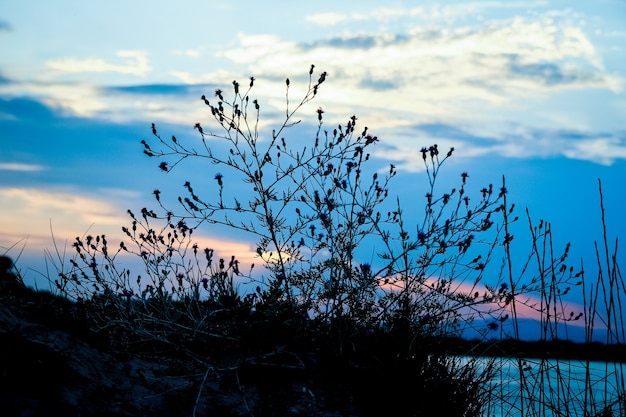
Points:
530	90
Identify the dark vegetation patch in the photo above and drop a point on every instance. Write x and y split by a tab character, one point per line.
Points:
54	364
328	327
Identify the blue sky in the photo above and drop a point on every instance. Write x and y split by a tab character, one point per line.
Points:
533	90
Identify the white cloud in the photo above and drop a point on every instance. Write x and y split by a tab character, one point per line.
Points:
493	73
38	220
495	64
75	98
219	77
327	19
14	166
386	14
600	150
408	158
133	63
90	101
428	14
611	33
254	48
69	212
520	143
66	214
462	76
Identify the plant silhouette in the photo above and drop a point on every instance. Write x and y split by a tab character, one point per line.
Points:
350	289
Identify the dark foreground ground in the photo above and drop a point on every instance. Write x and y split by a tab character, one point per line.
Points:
53	364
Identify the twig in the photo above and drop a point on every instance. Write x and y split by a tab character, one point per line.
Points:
206	374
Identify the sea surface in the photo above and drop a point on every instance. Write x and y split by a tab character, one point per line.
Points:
542	387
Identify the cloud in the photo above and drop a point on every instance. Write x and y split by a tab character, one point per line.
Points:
347	42
603	150
154	102
383	14
67	214
3	79
379	85
13	166
69	211
492	73
520	143
434	12
46	214
160	89
327	19
133	63
379	14
492	63
548	74
225	248
218	78
611	33
488	72
81	100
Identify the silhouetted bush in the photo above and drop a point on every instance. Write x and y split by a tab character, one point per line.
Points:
320	309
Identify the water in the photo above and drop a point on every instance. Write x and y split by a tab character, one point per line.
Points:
555	387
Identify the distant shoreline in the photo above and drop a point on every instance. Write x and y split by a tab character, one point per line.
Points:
557	349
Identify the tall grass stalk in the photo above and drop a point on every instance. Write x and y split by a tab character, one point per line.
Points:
547	386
